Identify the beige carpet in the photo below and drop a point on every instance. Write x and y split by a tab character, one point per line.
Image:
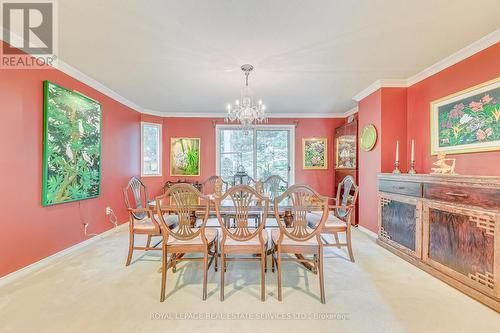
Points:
91	290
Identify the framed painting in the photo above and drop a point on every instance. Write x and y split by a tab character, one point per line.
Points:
72	126
314	153
468	121
185	156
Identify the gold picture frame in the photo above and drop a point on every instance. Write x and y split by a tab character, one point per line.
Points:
185	157
467	121
315	153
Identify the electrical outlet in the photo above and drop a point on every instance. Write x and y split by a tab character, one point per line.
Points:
108	210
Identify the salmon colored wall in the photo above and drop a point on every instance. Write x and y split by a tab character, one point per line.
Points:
479	68
403	114
369	112
322	180
30	232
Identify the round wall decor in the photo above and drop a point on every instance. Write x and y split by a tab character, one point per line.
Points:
368	137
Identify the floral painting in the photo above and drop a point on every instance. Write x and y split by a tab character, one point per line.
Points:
315	153
185	157
72	146
468	121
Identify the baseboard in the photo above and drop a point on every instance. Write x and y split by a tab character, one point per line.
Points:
367	231
50	259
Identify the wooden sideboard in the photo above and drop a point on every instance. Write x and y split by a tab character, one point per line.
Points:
448	226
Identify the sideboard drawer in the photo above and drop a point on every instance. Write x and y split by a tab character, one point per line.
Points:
488	198
405	188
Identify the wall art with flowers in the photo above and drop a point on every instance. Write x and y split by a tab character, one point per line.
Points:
314	152
468	121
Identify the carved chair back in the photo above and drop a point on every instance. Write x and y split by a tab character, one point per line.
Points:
274	185
243	199
214	185
347	194
185	201
136	198
302	200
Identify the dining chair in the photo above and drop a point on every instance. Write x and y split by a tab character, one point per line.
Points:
188	236
211	184
242	239
339	219
142	221
274	185
295	236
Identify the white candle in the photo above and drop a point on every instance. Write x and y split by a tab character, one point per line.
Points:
397	151
412	150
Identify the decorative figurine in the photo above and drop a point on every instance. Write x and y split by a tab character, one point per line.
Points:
445	166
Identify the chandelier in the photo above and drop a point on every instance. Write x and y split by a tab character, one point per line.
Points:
244	109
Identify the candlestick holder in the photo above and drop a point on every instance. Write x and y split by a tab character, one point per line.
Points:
396	167
412	170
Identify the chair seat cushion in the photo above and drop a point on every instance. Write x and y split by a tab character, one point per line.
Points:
255	241
275	234
146	226
210	234
332	222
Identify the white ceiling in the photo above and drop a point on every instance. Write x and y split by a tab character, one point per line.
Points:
183	57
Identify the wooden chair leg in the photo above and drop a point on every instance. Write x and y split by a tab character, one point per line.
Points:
336	235
272	261
164	269
321	276
216	253
349	244
263	276
130	248
148	242
278	273
173	262
222	270
205	274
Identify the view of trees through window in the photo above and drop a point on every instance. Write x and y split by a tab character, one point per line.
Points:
151	158
261	152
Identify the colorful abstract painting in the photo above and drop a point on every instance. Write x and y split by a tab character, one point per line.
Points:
72	146
314	153
185	157
468	121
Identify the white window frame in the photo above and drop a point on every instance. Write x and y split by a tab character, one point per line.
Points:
289	128
160	149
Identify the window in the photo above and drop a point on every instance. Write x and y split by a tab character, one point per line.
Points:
150	149
262	151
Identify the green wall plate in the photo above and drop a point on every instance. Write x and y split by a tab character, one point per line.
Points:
368	137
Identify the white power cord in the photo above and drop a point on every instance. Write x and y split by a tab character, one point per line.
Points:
112	217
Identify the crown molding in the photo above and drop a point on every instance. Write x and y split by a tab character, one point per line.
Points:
223	115
464	53
93	83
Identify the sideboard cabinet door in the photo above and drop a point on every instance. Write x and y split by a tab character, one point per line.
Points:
460	242
400	222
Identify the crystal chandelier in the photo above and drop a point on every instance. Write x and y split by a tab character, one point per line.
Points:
244	110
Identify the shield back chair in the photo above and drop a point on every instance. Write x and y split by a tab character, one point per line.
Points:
188	204
274	185
242	239
210	185
142	221
295	236
339	219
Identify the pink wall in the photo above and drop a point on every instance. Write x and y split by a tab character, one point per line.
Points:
322	180
30	232
479	68
403	114
369	112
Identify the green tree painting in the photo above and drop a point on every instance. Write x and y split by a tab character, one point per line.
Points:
468	123
72	146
